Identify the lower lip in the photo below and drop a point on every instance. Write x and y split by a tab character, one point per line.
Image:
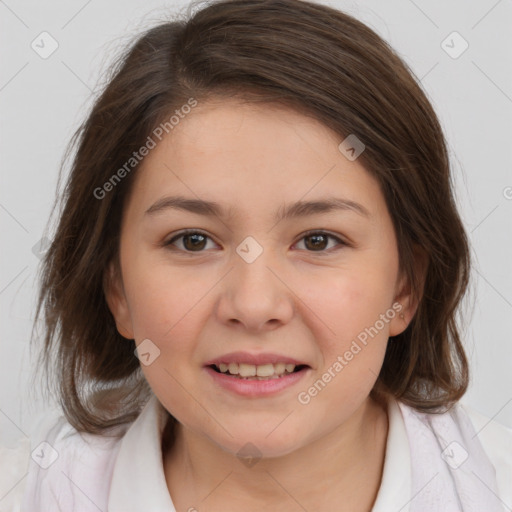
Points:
254	387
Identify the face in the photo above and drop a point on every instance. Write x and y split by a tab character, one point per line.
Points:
258	281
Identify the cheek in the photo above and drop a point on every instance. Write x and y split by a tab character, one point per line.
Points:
351	336
166	308
347	301
164	301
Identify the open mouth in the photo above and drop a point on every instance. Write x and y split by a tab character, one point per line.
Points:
260	372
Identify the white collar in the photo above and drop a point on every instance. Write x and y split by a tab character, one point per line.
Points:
395	487
138	480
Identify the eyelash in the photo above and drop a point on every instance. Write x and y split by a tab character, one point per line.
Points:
169	243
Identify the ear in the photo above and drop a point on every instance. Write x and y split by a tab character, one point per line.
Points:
405	304
116	300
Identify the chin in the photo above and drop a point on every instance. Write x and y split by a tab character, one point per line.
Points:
257	444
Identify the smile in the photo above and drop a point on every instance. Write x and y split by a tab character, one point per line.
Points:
254	385
257	372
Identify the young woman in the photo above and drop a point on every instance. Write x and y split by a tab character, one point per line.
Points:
251	294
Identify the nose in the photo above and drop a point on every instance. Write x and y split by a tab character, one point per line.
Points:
254	296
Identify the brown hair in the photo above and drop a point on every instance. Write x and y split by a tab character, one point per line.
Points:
306	56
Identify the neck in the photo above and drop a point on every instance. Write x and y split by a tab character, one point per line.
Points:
343	467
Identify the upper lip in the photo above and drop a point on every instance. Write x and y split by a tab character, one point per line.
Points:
255	359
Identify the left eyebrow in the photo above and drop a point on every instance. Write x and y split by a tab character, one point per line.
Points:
297	209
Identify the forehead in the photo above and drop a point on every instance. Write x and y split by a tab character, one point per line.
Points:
250	130
248	153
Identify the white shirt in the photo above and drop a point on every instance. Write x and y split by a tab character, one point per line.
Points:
93	473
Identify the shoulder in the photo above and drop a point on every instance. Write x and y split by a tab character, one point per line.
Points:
464	434
491	433
60	468
496	440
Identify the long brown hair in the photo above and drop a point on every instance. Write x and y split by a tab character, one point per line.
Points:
306	56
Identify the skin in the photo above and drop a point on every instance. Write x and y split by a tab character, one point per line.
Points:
308	304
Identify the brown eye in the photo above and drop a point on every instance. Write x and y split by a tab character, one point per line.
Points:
193	241
316	242
319	241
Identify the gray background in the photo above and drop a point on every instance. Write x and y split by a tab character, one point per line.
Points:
43	100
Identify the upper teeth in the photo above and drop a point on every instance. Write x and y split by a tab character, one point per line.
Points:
251	370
